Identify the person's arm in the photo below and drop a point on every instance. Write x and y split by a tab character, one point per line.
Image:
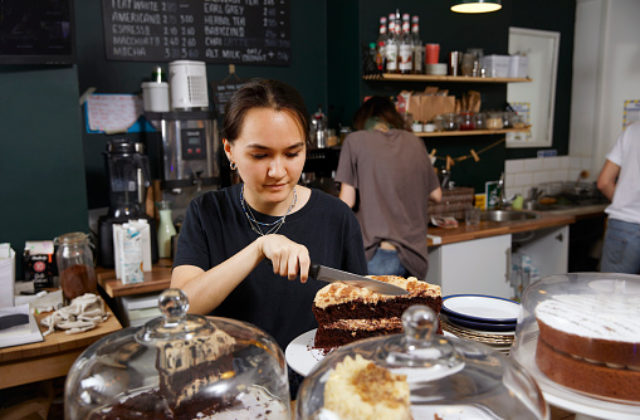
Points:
436	195
206	290
607	179
348	194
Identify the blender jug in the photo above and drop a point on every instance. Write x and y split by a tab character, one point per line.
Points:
129	177
128	171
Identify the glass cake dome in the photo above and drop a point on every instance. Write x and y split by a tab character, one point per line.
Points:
419	375
180	366
579	336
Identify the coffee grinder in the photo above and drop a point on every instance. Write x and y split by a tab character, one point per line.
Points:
129	178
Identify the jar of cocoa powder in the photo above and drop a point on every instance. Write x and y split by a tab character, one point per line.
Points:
75	265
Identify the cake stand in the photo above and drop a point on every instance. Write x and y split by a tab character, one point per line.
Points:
584	406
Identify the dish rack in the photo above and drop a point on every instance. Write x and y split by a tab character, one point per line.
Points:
454	202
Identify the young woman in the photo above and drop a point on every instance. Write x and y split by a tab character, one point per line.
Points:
242	248
391	171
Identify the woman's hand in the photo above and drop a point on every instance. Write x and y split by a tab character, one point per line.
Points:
287	257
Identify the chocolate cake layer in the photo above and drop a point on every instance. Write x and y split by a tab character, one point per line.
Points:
359	309
346	314
587	377
150	406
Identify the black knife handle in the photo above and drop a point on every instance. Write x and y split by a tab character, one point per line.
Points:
313	271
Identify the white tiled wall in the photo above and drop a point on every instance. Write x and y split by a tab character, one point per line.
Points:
522	174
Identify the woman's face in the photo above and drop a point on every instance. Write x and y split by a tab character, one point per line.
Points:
270	154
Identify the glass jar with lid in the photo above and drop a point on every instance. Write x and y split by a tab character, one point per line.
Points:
450	121
494	120
180	366
467	121
480	120
507	119
419	375
75	265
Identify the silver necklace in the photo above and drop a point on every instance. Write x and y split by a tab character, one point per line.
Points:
272	227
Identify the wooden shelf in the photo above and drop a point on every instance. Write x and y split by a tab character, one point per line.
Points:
472	132
158	279
433	78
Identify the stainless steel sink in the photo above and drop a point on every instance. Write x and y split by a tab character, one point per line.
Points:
507	215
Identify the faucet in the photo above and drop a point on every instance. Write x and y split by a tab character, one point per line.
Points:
503	201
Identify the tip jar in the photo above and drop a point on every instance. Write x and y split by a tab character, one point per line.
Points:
75	265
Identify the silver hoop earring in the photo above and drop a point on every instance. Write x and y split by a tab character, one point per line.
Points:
233	166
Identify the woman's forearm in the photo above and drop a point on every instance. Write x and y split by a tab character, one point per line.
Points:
206	290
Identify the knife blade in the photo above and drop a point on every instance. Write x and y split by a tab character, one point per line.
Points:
331	275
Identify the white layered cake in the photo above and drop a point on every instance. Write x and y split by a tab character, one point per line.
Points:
591	343
358	389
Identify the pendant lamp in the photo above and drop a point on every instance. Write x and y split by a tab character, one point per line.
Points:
475	6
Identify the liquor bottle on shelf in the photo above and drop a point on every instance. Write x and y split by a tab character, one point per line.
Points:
405	48
391	46
380	44
418	49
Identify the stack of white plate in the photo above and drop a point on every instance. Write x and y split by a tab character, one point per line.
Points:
490	320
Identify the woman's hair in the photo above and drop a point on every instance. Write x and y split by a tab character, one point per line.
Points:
263	93
380	108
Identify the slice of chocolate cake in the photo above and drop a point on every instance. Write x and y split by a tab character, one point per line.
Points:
345	313
187	366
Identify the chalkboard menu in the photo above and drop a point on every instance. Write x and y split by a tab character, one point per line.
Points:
215	31
223	90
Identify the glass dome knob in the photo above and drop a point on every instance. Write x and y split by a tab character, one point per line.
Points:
419	323
173	304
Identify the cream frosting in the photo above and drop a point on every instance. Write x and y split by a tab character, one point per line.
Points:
367	324
336	293
359	389
593	316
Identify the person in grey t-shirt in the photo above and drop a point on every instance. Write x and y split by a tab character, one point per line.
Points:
388	178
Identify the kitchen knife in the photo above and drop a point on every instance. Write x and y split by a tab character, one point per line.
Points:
328	274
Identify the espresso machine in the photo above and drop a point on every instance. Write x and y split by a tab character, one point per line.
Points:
190	143
129	178
190	148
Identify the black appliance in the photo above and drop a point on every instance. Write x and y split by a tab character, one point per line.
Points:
128	171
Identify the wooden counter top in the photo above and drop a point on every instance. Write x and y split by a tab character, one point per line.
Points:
159	278
50	358
486	229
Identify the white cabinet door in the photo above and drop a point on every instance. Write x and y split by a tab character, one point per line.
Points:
548	250
479	266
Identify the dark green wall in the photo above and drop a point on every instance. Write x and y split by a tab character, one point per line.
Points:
452	31
41	164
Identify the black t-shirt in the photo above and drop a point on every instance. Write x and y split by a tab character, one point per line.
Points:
215	228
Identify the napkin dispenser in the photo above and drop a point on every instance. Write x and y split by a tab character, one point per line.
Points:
7	274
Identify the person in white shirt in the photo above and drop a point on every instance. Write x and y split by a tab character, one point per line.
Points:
619	181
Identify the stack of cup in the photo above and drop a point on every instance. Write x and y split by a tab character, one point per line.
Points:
432	53
155	94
